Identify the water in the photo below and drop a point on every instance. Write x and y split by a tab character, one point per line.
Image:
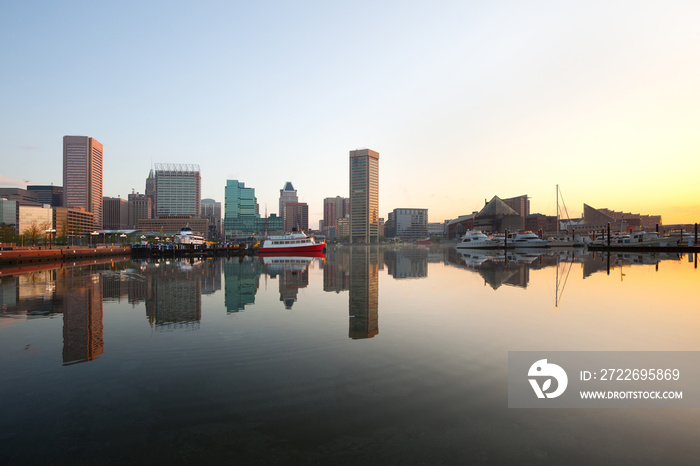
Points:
367	356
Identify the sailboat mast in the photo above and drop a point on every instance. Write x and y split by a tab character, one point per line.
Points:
557	210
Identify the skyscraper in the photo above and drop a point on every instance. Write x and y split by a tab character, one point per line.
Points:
178	189
211	210
364	196
115	213
140	207
51	195
151	193
296	216
333	209
287	194
82	175
241	215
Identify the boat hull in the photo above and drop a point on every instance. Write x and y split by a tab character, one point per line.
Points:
292	249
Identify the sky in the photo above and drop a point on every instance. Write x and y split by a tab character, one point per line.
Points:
463	100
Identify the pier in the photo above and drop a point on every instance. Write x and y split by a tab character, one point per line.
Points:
148	251
37	255
636	248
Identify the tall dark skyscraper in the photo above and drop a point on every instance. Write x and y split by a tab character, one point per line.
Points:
151	193
49	194
287	194
82	175
364	196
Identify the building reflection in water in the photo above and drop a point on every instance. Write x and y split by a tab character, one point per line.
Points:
407	262
174	294
364	292
336	271
513	268
496	267
293	274
242	279
79	298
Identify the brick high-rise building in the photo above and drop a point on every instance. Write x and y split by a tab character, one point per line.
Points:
296	216
335	208
82	175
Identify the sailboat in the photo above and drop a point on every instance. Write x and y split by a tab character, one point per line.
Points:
565	240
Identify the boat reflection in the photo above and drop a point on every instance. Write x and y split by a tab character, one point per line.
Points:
512	267
293	274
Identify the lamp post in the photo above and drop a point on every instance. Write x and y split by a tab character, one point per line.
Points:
123	235
50	232
94	233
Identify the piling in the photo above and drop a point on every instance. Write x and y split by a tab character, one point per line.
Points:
608	233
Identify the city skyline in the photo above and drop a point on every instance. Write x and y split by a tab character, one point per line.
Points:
463	100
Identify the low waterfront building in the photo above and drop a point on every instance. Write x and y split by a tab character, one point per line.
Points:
541	222
73	222
342	228
39	218
596	219
497	216
436	229
458	227
172	224
407	224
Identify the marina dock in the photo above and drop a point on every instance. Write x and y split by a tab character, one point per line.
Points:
36	255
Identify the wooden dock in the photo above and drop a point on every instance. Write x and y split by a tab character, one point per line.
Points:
35	255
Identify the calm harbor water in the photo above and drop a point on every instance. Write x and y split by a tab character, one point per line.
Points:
369	355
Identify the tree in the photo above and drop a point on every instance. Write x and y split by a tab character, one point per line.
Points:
43	229
7	234
31	233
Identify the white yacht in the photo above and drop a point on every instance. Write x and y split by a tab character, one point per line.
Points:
476	240
187	236
523	239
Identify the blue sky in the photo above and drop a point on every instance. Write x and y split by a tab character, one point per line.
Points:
463	100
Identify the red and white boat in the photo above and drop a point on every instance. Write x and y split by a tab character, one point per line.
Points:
296	242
